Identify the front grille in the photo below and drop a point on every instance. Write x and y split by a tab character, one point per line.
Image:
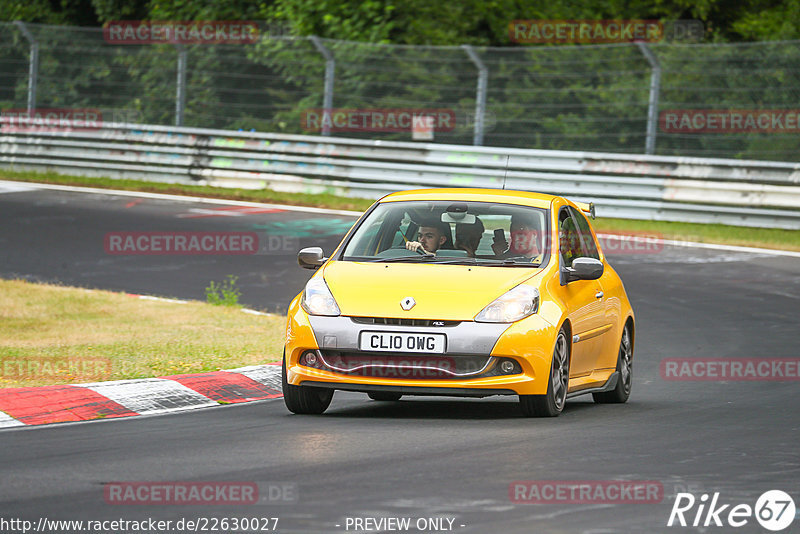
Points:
403	322
415	366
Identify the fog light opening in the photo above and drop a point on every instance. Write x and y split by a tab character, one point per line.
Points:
507	367
309	358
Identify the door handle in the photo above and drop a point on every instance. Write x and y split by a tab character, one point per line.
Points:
598	295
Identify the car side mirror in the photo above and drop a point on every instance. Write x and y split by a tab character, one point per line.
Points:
583	268
311	258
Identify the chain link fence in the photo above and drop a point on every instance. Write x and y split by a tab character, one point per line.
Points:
586	97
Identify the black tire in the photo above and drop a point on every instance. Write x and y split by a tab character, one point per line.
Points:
304	399
552	403
622	391
384	396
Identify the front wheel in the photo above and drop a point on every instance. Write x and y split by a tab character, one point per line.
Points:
304	399
622	391
552	403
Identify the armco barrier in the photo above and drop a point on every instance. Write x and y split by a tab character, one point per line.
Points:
738	192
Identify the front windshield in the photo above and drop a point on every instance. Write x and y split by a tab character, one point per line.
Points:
480	233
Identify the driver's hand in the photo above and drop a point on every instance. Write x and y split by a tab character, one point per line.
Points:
415	246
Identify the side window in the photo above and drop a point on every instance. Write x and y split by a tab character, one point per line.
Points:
568	238
380	234
401	235
368	241
587	242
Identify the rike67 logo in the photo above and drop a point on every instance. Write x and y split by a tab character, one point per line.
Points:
774	510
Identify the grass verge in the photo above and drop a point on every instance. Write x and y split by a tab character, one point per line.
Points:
703	233
60	335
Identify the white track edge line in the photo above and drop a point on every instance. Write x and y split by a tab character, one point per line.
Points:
695	244
24	426
179	301
183	198
288	207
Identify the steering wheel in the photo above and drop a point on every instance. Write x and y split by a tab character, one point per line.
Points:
422	252
419	251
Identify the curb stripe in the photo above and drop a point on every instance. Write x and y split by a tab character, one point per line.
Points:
151	395
268	375
144	396
227	387
58	404
6	421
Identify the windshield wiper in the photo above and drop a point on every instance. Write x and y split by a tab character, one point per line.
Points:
412	259
444	260
507	263
468	261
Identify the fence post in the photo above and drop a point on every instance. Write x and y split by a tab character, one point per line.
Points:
652	105
33	67
180	92
480	97
330	68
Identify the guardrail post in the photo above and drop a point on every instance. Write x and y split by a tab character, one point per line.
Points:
480	97
652	105
330	68
180	92
33	66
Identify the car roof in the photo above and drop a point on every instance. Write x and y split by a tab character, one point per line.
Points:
503	196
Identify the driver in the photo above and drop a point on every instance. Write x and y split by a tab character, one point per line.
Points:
429	239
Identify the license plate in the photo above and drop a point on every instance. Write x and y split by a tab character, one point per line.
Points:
402	342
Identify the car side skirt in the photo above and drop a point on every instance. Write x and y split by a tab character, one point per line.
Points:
610	384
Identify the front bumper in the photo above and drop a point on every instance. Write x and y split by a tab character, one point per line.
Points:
529	343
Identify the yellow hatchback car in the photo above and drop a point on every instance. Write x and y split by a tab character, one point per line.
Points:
462	292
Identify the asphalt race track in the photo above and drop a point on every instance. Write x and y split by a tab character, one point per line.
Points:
428	458
55	236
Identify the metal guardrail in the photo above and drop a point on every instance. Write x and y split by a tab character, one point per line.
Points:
737	192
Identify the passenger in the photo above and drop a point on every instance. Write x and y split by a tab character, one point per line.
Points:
524	239
468	236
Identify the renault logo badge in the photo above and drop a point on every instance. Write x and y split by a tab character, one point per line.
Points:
407	303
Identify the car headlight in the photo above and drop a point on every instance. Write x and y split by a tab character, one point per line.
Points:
515	304
317	298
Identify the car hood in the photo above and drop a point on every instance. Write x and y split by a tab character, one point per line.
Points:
441	292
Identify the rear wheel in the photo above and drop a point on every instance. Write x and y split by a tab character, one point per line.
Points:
384	396
552	403
622	391
304	399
